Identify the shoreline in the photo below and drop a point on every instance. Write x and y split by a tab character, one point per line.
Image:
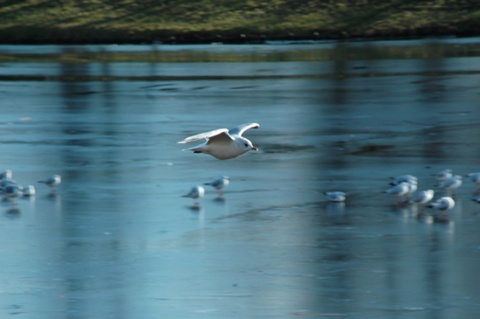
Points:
241	38
242	22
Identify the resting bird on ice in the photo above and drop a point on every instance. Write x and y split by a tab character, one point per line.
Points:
196	192
12	191
410	180
335	196
399	190
223	143
443	175
422	197
28	190
443	204
404	178
6	182
6	174
52	181
219	184
450	184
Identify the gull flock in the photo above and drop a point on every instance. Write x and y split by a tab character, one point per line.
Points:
405	187
220	143
11	189
199	191
229	143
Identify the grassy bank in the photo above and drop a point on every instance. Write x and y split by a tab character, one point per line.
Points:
198	21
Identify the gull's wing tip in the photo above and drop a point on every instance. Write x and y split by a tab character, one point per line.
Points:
240	129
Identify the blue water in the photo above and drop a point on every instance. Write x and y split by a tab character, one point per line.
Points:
117	240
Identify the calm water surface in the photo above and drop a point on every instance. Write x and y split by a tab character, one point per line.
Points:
117	240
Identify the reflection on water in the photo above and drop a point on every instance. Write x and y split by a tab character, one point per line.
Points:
118	240
249	62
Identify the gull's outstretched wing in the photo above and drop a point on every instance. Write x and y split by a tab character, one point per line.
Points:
239	130
206	135
223	137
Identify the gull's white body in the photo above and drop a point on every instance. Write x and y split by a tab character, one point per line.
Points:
451	183
443	175
474	177
223	143
29	190
443	204
335	196
423	197
399	189
412	187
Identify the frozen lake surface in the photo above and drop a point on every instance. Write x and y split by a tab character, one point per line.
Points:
117	240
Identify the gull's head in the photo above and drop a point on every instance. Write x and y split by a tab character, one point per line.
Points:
246	144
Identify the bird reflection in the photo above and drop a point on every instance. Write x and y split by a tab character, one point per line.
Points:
220	200
199	212
13	212
336	208
196	208
53	196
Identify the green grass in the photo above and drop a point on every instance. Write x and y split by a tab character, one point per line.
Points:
180	21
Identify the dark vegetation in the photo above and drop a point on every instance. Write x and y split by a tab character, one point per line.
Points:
232	21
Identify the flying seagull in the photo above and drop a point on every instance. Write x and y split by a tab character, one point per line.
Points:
223	143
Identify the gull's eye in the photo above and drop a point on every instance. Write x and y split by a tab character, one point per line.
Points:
246	144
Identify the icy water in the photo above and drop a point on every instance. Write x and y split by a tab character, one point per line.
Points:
117	240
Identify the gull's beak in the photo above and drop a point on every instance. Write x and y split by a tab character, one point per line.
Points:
255	148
